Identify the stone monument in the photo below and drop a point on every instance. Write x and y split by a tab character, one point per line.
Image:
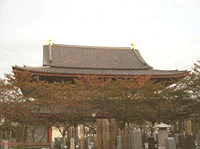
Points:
162	134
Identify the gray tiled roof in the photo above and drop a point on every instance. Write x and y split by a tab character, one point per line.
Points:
84	60
93	57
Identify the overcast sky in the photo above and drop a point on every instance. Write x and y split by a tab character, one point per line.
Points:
167	32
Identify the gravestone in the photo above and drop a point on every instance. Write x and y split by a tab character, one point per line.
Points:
82	143
123	141
197	141
162	135
95	142
113	130
126	129
131	127
103	134
151	143
119	142
170	143
87	141
189	142
5	144
81	132
126	142
118	131
136	139
144	140
70	134
188	127
76	139
99	139
106	134
146	146
176	138
181	141
90	142
72	143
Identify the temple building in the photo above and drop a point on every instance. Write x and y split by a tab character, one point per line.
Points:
66	62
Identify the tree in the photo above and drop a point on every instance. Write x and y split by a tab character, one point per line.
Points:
26	99
191	84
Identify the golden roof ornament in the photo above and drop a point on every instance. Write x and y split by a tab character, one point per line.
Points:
133	45
49	42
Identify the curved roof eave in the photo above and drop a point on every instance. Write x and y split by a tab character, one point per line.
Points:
47	71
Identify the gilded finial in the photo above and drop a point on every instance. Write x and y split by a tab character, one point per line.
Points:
49	42
133	45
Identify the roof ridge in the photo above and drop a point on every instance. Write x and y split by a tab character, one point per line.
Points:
90	47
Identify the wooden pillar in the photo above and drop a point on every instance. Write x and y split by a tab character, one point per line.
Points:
50	134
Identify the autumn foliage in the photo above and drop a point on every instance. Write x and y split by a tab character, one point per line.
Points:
27	99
